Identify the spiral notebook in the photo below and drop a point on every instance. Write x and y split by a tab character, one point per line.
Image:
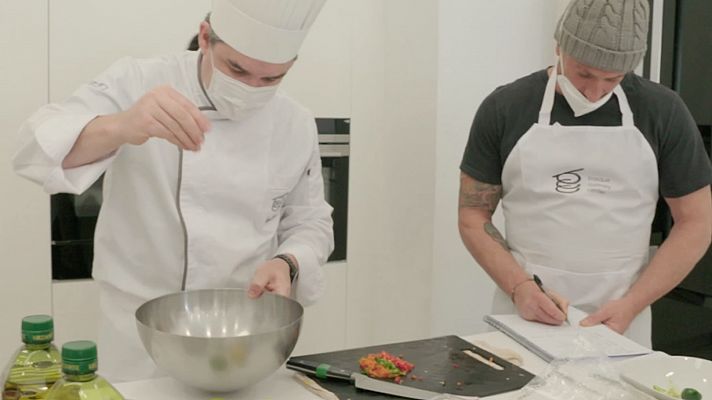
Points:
566	342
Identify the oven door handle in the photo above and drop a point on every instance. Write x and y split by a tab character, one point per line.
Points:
334	150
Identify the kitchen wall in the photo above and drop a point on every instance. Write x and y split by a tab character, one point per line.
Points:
85	36
482	44
392	170
24	210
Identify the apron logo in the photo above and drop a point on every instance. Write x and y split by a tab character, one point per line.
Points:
568	182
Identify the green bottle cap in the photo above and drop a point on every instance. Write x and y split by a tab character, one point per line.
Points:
79	357
37	329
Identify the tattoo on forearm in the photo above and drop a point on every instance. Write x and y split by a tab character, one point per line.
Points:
479	195
494	234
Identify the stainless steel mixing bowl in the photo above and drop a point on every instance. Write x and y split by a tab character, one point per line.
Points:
219	339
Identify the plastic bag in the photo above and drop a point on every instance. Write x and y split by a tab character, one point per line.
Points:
591	375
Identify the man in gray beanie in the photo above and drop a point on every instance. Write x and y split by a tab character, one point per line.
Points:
578	154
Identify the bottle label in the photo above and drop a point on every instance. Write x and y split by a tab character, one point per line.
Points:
38	338
10	394
24	392
79	368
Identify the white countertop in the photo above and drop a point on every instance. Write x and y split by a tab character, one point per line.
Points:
282	385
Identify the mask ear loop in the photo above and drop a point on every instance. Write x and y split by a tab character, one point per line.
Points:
547	103
560	60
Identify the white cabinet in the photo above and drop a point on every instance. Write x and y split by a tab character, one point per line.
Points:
321	77
24	216
324	323
76	310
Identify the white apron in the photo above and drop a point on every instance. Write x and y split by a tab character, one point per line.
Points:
578	202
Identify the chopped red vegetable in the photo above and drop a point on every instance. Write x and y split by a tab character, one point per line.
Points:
385	366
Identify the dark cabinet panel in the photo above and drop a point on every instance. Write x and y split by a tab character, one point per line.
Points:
682	325
686	63
682	320
693	58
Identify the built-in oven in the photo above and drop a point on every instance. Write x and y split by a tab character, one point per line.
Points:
334	146
73	218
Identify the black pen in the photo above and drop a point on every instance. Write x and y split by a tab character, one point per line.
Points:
539	283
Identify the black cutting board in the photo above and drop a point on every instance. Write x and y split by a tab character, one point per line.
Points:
440	366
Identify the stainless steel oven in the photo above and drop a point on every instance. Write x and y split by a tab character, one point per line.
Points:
73	218
334	146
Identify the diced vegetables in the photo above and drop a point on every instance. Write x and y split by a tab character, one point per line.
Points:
686	394
385	366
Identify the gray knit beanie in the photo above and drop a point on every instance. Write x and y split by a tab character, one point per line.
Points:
606	34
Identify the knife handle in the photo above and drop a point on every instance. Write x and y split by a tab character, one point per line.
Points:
320	370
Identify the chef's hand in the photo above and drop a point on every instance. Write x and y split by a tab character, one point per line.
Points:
616	314
534	305
163	113
272	276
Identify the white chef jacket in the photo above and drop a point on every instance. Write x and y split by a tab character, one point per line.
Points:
254	190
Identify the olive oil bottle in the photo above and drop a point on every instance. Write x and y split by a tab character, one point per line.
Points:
80	381
36	366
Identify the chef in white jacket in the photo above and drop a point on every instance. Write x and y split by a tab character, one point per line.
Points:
212	175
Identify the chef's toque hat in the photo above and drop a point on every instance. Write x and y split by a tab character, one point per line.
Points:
267	30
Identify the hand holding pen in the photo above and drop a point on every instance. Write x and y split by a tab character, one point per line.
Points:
556	302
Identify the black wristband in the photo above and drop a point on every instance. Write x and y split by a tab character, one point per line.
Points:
293	269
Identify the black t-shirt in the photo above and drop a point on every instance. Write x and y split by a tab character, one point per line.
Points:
658	112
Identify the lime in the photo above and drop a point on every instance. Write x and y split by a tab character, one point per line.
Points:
690	394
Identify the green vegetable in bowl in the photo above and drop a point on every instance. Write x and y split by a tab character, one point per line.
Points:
671	391
690	394
686	394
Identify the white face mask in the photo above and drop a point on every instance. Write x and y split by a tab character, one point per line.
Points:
578	102
234	99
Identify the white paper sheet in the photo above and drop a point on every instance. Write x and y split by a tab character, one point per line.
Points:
566	341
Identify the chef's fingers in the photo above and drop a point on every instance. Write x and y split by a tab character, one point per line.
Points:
258	284
192	109
154	128
615	326
549	313
561	302
172	131
188	127
598	317
280	288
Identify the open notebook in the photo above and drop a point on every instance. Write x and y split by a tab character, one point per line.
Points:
565	341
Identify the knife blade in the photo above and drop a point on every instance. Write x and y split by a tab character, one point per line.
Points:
360	381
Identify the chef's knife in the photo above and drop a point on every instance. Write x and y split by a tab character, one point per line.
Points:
360	381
